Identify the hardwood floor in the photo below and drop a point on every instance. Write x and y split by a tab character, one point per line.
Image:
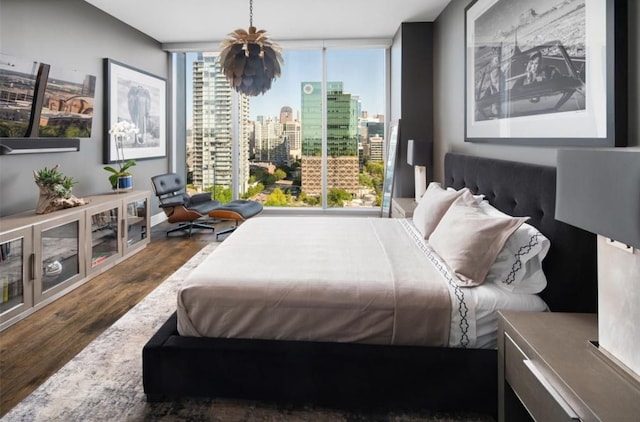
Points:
36	347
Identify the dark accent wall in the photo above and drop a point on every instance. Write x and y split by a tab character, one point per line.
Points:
75	35
412	75
448	82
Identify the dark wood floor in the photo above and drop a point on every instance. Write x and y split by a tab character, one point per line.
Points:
36	347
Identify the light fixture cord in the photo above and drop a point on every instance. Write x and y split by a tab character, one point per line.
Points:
250	13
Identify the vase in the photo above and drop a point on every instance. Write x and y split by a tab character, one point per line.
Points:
125	182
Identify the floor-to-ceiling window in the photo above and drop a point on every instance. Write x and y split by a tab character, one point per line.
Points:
315	139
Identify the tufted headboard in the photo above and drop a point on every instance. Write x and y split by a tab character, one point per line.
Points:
521	189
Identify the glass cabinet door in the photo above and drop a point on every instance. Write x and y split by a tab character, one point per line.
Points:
137	211
60	252
105	240
15	277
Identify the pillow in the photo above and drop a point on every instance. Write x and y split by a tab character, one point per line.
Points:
432	206
469	240
478	198
518	267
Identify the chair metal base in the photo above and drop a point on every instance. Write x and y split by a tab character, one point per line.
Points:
225	231
190	226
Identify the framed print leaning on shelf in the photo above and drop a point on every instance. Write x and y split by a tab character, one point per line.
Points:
546	72
140	98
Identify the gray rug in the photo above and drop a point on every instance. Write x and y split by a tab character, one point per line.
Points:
104	381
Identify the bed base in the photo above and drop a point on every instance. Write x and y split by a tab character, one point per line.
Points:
336	375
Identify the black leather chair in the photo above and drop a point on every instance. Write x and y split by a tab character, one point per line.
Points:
198	210
188	211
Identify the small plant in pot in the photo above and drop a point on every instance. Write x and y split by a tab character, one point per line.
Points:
120	177
55	190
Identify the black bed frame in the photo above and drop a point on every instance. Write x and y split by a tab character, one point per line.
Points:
360	376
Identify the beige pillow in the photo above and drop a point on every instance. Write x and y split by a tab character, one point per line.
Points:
432	206
469	240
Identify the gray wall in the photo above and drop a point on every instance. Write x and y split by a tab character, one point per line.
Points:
449	93
72	34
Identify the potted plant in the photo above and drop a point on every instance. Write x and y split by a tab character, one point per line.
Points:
120	177
55	190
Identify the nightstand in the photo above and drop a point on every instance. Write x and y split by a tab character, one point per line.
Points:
402	207
549	371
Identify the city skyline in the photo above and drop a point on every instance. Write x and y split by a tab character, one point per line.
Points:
361	71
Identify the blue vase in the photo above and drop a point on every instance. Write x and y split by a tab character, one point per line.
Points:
125	182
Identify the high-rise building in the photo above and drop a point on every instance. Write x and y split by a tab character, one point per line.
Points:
271	145
291	131
376	148
212	147
342	138
342	120
372	132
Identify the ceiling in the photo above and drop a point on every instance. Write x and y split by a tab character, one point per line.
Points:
196	21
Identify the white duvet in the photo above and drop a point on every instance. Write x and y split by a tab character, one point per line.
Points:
348	279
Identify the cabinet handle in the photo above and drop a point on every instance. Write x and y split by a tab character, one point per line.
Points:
571	414
32	266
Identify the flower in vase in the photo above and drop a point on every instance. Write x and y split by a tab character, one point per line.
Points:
121	131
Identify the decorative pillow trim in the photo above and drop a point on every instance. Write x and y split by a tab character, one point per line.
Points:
517	265
442	268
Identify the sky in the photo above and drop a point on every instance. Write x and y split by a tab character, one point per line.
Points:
361	71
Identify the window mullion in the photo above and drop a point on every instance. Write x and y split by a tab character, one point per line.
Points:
235	143
325	149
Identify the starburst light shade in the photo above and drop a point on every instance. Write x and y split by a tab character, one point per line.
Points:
249	60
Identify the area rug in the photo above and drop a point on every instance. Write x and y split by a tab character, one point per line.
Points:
104	381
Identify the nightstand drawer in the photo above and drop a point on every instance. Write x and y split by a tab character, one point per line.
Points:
536	392
402	207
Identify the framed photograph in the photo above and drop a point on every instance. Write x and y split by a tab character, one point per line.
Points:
546	72
390	167
140	98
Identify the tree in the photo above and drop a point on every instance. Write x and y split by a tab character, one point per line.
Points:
366	180
259	173
312	200
269	180
253	190
221	193
277	198
279	174
336	197
375	168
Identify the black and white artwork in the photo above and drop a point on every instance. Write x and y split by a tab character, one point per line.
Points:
537	71
137	97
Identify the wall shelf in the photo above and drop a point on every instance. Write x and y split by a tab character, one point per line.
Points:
14	146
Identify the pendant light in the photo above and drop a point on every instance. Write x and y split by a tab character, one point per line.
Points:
249	60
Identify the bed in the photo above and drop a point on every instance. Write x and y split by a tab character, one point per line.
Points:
397	361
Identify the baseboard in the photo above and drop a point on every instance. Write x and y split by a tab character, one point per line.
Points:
158	218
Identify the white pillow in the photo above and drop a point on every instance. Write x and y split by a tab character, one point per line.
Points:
478	198
432	206
518	266
469	240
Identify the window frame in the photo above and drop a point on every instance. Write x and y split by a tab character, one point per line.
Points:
178	78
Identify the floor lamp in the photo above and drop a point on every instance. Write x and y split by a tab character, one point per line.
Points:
419	155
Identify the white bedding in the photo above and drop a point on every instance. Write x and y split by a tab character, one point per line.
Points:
366	280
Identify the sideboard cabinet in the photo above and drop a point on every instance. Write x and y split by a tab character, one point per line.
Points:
43	257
